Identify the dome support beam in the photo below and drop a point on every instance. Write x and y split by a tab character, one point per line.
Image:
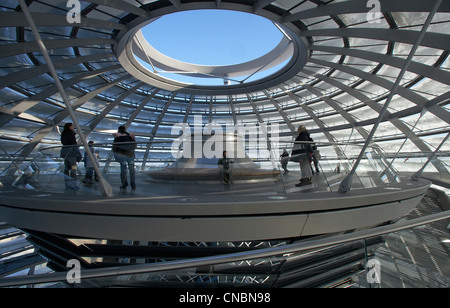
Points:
106	188
346	184
29	73
281	112
424	70
112	105
316	120
360	7
339	109
431	40
30	102
406	93
388	116
155	129
131	117
418	174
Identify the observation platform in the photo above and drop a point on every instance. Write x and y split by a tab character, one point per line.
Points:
265	208
158	211
163	220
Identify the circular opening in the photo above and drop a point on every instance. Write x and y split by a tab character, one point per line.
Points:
212	37
213	47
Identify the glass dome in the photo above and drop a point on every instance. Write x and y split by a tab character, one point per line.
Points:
344	62
369	80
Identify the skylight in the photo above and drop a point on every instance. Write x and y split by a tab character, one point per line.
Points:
213	37
216	38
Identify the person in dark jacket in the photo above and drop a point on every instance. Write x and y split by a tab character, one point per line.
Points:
315	156
124	155
284	158
303	153
225	167
71	155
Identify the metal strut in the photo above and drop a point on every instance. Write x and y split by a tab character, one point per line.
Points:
346	183
105	186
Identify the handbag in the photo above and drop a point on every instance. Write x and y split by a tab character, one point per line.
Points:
79	157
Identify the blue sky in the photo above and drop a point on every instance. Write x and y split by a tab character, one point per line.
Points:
212	37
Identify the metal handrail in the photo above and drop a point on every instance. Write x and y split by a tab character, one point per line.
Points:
226	258
291	143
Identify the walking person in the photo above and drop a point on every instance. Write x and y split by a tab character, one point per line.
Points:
71	155
124	155
302	154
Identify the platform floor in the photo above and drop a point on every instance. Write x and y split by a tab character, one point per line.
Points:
277	187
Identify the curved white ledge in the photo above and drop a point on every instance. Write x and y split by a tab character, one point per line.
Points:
142	49
199	219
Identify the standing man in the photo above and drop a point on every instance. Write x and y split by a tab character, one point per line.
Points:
303	152
71	155
225	168
123	149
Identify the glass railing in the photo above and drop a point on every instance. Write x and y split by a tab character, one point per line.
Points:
252	171
411	162
335	161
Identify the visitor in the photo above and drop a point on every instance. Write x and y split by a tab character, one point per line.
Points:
124	155
225	164
315	156
301	153
71	155
284	161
